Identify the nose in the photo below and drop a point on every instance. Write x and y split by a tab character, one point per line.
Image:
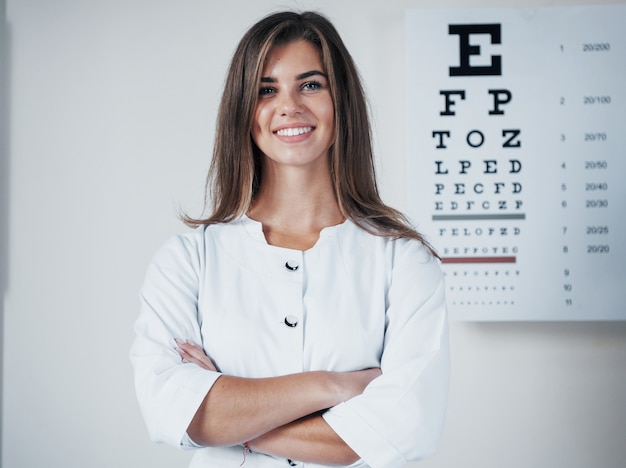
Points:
290	103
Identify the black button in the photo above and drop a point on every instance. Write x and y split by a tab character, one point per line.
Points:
291	265
291	321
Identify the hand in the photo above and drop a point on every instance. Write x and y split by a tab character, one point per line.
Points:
191	352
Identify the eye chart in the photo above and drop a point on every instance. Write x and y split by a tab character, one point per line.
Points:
517	158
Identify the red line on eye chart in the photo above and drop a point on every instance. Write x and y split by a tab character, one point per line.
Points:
479	260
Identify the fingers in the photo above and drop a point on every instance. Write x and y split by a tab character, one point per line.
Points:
191	352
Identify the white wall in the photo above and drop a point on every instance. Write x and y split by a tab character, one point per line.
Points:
111	106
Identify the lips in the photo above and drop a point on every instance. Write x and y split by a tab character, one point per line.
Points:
293	131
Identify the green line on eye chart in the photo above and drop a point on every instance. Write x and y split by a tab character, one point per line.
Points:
479	217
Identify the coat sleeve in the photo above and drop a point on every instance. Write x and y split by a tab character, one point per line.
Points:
170	392
399	417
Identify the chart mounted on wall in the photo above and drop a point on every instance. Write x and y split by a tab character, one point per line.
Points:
517	158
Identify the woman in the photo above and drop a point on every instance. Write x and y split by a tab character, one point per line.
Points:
318	311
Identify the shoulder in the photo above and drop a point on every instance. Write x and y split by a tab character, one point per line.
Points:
194	247
403	248
400	257
414	263
183	243
414	251
178	257
196	239
185	248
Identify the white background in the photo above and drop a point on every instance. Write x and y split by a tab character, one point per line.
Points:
107	112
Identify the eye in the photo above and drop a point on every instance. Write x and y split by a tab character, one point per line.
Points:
266	91
312	86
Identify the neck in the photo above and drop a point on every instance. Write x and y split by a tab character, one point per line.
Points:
294	206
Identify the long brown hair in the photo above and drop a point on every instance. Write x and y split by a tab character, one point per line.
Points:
235	172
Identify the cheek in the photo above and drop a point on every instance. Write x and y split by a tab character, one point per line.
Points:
257	124
329	116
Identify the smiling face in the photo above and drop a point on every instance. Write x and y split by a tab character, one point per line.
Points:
294	121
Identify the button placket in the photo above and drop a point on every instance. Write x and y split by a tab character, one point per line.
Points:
292	266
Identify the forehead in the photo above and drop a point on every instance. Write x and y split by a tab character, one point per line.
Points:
297	56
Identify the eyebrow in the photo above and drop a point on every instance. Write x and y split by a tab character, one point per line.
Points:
301	76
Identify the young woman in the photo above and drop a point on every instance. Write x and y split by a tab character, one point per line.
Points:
303	321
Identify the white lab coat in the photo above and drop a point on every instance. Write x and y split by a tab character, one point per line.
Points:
356	300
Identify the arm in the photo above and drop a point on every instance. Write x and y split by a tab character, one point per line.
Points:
400	415
309	439
173	396
237	410
169	392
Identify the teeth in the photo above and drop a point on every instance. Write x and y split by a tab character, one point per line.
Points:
294	131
